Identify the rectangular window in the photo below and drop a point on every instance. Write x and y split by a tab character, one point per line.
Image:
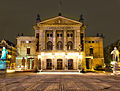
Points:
28	50
91	51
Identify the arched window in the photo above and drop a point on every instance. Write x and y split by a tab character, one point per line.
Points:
49	45
59	45
69	45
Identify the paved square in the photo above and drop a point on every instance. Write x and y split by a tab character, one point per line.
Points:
59	82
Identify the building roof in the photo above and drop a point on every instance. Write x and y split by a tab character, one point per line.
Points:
8	42
60	20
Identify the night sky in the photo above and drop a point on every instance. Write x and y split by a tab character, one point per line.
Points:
101	16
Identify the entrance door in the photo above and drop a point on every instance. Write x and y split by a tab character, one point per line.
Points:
70	64
87	63
49	64
59	64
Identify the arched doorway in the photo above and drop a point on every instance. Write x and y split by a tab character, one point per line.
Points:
70	64
49	45
59	64
49	64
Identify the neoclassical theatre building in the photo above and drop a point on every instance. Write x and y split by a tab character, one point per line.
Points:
59	44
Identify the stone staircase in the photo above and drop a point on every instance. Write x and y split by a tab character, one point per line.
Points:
60	71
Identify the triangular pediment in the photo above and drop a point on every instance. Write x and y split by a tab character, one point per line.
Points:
60	20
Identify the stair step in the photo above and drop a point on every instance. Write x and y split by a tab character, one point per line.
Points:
60	71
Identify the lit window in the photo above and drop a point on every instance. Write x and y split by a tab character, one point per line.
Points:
27	41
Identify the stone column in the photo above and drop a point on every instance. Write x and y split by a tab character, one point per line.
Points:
65	42
66	62
92	64
43	40
75	39
54	39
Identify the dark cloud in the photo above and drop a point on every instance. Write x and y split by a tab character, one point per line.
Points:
102	16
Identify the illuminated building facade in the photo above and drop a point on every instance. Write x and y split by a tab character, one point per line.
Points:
26	53
59	44
12	53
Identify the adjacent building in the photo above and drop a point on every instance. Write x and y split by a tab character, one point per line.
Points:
25	53
12	53
59	44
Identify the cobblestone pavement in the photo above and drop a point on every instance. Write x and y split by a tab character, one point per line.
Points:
59	82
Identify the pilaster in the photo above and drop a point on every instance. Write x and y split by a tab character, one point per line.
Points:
65	42
75	39
54	39
43	40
